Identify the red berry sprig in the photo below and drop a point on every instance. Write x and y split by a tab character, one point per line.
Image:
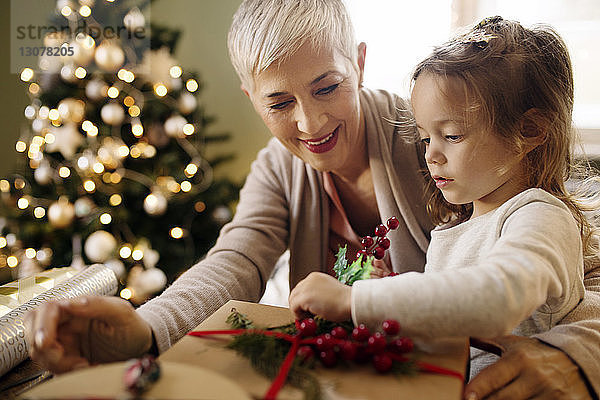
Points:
360	345
377	245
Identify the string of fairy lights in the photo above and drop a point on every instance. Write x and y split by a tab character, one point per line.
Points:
97	159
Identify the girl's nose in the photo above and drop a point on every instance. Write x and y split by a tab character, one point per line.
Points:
434	154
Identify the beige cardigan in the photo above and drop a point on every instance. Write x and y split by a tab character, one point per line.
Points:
283	204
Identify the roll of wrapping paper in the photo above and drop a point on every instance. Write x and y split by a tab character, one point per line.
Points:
94	280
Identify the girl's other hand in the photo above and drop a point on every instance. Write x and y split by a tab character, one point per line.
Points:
380	269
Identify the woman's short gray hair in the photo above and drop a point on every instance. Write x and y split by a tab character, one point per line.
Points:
268	31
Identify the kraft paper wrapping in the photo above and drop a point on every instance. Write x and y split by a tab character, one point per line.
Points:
94	280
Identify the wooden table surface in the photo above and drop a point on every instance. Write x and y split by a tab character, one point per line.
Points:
361	382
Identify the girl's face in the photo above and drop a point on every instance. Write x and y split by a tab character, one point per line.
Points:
469	164
310	102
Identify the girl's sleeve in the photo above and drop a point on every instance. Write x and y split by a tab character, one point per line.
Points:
239	264
528	266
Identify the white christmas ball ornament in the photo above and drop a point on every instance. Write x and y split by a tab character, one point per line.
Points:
96	89
151	280
67	72
100	246
83	206
174	126
44	173
61	213
134	19
84	48
155	204
109	56
117	267
187	103
112	114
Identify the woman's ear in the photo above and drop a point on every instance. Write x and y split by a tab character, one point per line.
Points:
362	51
244	90
534	126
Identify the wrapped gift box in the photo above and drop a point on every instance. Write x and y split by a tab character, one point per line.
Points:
19	292
17	298
360	382
202	368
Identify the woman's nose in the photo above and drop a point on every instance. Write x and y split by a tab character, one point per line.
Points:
310	118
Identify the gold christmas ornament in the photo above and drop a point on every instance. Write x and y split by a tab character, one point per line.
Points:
155	203
61	213
71	110
109	56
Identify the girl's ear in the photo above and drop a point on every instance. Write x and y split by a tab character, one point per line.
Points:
534	128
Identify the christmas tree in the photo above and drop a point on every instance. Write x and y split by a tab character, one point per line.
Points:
111	168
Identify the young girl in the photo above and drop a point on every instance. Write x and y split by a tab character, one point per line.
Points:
493	109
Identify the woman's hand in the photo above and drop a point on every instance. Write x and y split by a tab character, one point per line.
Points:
528	369
323	295
69	334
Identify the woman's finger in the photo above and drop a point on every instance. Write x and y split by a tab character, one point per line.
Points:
492	379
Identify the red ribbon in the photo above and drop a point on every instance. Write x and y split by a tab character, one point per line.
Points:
296	341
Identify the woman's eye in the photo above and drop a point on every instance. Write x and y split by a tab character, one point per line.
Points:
280	106
425	140
328	89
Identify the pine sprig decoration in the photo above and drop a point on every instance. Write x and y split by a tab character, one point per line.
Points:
266	354
322	340
237	320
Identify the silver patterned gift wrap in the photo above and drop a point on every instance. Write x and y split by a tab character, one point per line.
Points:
94	280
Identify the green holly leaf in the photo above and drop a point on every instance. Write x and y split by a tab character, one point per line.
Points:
360	268
340	262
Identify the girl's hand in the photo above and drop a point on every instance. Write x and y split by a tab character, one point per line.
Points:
323	295
380	269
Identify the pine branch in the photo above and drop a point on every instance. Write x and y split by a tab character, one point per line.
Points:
266	354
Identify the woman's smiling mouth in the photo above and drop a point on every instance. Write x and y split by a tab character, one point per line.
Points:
323	144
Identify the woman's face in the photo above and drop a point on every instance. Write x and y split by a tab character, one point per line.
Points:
310	102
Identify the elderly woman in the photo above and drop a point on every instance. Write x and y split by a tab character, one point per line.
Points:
328	177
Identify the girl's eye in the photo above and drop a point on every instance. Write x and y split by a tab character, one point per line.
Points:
280	106
454	138
328	89
425	140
